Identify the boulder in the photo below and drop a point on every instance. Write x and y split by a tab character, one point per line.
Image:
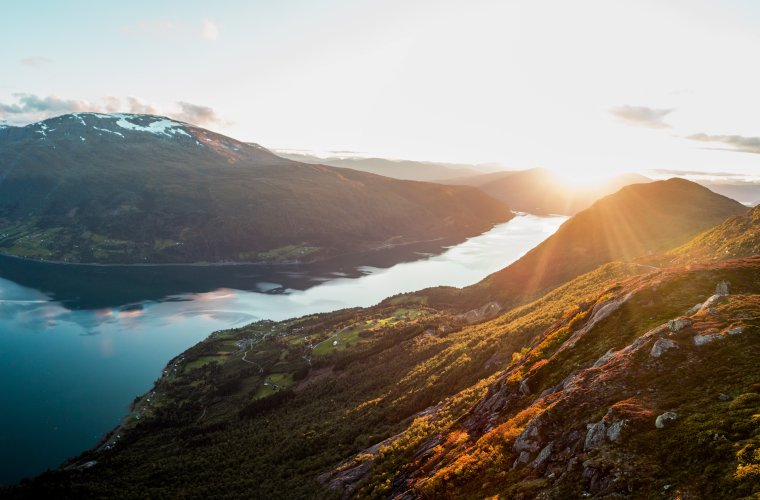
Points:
543	456
524	389
527	440
662	420
678	324
706	339
735	330
594	435
724	397
694	309
722	288
709	303
521	459
613	432
660	346
605	357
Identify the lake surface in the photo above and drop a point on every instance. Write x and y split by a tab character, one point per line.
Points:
79	343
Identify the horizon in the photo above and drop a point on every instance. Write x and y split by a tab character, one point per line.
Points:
521	85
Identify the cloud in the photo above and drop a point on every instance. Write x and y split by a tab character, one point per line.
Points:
197	114
642	116
668	171
35	61
737	143
209	30
29	108
135	105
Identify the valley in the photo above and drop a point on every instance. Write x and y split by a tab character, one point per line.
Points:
411	397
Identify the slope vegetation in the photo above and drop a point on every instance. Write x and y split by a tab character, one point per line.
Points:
629	380
139	188
638	220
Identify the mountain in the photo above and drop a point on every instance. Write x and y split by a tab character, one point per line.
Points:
122	188
398	169
540	191
638	220
747	193
739	236
630	380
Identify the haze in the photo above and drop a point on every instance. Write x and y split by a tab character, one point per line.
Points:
585	88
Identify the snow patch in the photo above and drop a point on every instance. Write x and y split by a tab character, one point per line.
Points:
161	126
109	131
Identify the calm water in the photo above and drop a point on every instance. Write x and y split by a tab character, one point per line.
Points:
78	343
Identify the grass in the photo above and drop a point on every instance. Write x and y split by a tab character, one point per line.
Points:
203	361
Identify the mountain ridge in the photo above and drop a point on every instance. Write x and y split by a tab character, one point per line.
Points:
407	400
141	188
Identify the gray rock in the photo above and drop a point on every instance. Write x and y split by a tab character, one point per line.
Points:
524	389
663	419
605	357
736	330
613	433
526	441
709	303
662	345
694	309
706	339
523	458
543	456
724	397
722	288
594	435
678	324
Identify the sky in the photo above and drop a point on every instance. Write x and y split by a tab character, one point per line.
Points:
586	88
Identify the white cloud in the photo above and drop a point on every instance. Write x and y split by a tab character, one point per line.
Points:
29	108
642	116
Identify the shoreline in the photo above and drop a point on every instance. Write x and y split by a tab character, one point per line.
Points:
262	263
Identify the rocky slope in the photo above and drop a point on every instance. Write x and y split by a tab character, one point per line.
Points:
632	380
649	391
138	188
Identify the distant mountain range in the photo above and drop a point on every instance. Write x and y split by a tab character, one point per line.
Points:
541	191
398	169
535	190
123	188
636	379
638	220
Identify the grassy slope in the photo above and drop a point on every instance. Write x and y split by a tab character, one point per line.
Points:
639	220
211	432
83	195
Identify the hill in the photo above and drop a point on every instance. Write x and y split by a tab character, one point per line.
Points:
540	191
628	380
138	188
638	220
398	169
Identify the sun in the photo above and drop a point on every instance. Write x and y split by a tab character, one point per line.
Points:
582	177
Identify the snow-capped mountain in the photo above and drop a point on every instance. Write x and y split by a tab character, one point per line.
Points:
89	187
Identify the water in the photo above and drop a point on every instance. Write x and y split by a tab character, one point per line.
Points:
78	343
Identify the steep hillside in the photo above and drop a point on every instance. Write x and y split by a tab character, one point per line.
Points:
640	393
638	220
629	380
540	191
138	188
737	237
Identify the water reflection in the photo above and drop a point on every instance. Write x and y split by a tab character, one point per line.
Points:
78	343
